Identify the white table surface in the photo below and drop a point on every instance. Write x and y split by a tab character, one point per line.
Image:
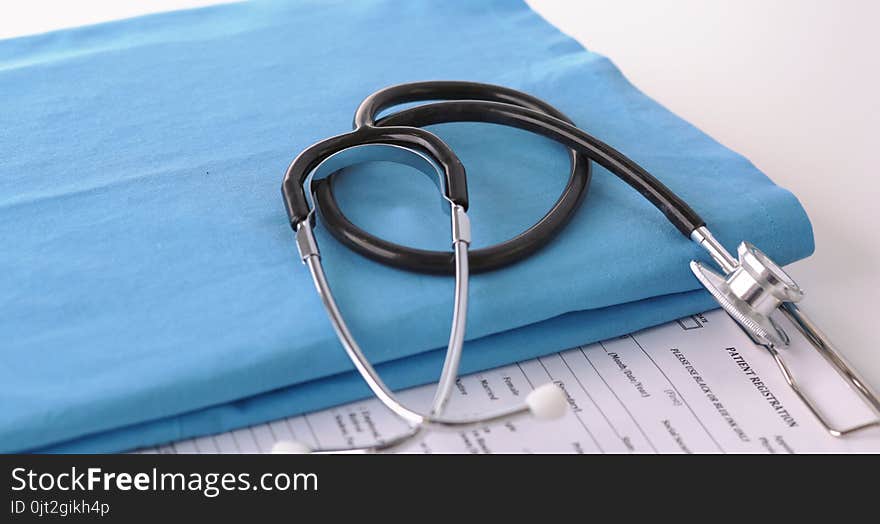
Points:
794	85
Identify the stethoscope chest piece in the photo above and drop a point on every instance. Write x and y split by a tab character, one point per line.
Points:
752	289
751	292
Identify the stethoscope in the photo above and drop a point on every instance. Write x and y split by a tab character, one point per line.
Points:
750	288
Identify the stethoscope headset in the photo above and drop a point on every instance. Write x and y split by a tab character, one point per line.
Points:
750	287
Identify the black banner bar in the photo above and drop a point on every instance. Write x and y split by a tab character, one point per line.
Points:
201	487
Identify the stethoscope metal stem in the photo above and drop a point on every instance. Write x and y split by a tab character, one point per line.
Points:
704	238
312	258
418	423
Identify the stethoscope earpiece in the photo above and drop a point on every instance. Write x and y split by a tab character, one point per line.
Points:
547	402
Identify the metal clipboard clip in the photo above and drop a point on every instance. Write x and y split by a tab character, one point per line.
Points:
751	290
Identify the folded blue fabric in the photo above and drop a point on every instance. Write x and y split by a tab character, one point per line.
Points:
149	284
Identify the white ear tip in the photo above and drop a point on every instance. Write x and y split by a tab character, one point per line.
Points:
290	447
547	402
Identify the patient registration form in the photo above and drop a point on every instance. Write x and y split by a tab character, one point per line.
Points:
695	385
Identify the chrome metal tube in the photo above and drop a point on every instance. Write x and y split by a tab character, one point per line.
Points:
367	371
461	239
449	374
721	256
827	349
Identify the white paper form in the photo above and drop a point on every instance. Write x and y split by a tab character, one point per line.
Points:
695	385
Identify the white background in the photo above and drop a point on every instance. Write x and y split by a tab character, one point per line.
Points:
794	85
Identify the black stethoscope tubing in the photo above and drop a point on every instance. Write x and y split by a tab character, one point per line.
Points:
676	210
294	194
685	219
481	260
